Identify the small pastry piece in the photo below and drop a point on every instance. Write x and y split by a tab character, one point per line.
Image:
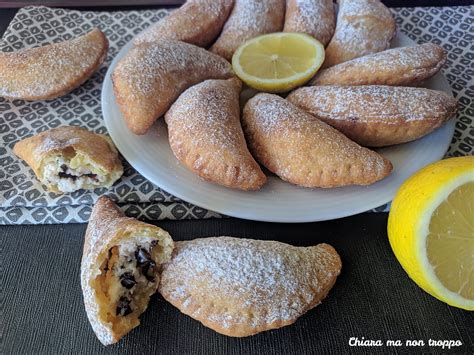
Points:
305	151
240	287
68	158
377	116
151	76
313	17
249	19
197	22
406	66
53	70
120	269
362	27
205	135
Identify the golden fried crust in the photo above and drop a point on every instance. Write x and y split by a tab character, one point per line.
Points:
51	71
152	76
406	66
205	135
377	116
197	22
249	19
107	227
240	287
362	27
305	151
313	17
69	141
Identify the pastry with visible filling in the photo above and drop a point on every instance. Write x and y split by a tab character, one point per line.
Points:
152	76
362	27
249	19
405	66
205	135
69	158
197	22
53	70
120	269
240	287
305	151
375	115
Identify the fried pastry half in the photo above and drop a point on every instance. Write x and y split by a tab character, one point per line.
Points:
405	66
377	116
68	158
313	17
205	135
362	27
197	22
120	269
240	287
152	76
305	151
249	19
51	71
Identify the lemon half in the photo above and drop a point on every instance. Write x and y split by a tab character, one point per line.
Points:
278	62
431	230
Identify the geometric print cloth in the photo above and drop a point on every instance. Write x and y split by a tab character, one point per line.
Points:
23	200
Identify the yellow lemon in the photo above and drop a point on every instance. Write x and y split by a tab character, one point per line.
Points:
431	230
278	62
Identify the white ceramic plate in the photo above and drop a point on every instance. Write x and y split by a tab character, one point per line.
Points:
277	201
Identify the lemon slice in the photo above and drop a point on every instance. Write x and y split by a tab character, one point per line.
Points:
431	230
278	62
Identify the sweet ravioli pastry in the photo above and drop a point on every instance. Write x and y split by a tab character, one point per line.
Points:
313	17
249	19
362	27
240	287
375	115
152	76
197	22
305	151
68	158
53	70
120	269
406	66
205	135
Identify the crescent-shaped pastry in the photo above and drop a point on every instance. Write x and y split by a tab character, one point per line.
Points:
362	27
313	17
377	116
406	66
69	158
249	19
240	287
120	269
53	70
197	22
151	76
305	151
205	135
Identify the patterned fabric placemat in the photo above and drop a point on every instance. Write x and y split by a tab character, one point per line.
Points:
23	200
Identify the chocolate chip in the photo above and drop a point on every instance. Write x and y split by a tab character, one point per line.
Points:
145	264
67	176
127	280
123	307
149	270
64	167
142	256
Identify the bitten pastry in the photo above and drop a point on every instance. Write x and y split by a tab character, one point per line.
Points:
151	76
248	19
240	287
406	66
362	27
53	70
120	269
313	17
197	22
68	158
205	135
377	116
305	151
